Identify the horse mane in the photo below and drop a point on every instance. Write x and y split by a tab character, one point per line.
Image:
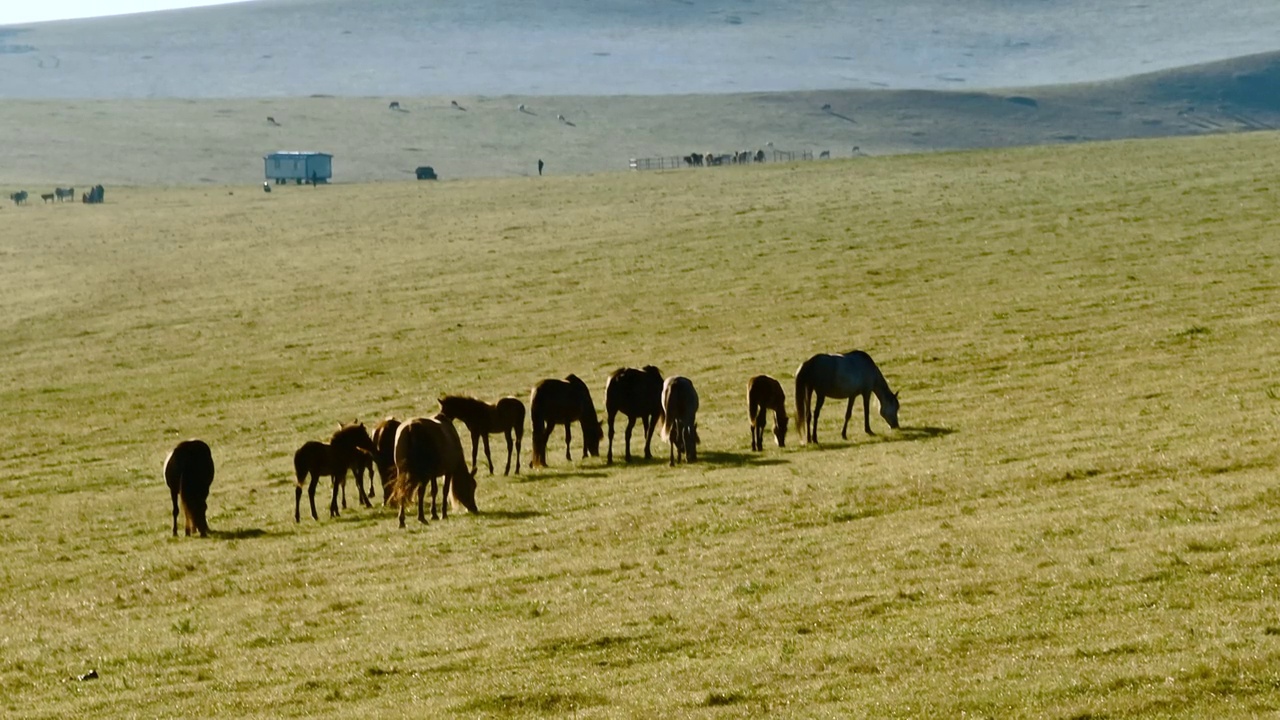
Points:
461	405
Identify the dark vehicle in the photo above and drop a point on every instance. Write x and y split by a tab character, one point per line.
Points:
426	172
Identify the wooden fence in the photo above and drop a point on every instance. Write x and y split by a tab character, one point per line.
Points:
675	162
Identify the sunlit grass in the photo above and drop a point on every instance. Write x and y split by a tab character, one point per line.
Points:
1075	520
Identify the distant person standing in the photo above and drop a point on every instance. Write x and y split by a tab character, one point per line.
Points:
540	166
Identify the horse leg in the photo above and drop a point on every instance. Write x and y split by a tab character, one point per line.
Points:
297	507
608	460
364	497
435	486
475	448
519	438
568	440
539	445
422	491
311	495
848	412
866	412
174	492
444	495
506	434
671	444
631	426
817	410
650	424
339	479
757	432
487	457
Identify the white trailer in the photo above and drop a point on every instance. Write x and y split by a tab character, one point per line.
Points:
300	167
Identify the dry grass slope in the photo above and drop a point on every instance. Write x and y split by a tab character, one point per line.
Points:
1076	520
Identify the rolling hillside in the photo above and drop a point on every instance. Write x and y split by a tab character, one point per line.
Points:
283	48
186	142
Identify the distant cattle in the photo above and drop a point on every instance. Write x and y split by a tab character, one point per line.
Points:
65	194
47	197
19	197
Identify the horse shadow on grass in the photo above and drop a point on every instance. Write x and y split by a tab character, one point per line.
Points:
906	433
239	534
548	473
508	514
739	459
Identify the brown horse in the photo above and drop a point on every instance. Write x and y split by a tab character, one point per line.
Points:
562	402
427	448
319	459
352	450
481	418
842	376
638	395
680	418
384	442
188	471
764	394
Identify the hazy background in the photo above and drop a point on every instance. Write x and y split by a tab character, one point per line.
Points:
599	47
183	97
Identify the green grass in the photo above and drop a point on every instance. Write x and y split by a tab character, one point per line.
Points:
1077	518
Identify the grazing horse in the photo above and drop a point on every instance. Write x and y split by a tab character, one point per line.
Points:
482	418
353	450
427	448
384	442
319	459
188	470
638	395
555	402
680	418
65	194
764	394
842	376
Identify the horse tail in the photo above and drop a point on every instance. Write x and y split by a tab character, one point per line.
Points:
539	432
299	469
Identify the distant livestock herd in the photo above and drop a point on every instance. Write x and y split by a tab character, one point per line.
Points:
93	196
741	157
417	452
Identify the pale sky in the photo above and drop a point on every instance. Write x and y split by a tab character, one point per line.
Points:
21	12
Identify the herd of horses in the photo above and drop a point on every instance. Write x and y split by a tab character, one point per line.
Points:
742	157
413	457
60	195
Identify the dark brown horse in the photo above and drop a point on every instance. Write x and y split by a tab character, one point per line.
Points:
384	442
638	395
764	394
563	402
317	459
427	448
352	450
842	376
680	418
188	471
506	416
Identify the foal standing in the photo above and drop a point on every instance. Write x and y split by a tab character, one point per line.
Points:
764	394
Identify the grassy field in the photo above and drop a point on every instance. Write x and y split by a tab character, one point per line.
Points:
1077	518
